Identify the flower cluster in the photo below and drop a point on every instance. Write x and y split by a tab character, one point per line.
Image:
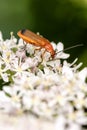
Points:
31	81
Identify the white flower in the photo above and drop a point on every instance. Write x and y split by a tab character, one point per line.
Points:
7	58
60	123
3	73
74	126
31	101
60	54
19	67
20	43
30	49
10	100
83	74
80	100
7	45
67	72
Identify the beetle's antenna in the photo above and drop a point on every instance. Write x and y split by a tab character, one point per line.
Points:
68	48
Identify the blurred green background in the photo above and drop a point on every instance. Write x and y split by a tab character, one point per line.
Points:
57	20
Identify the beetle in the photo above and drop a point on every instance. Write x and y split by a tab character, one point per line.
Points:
37	40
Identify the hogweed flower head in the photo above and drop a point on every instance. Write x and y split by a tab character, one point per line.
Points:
46	88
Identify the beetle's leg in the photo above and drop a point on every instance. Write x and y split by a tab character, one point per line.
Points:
24	46
42	55
37	49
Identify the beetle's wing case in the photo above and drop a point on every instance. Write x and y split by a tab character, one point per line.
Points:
33	38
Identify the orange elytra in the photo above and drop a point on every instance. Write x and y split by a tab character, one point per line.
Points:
37	40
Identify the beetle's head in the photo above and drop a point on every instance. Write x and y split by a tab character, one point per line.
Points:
50	49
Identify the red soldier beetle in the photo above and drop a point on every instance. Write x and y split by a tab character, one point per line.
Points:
37	40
